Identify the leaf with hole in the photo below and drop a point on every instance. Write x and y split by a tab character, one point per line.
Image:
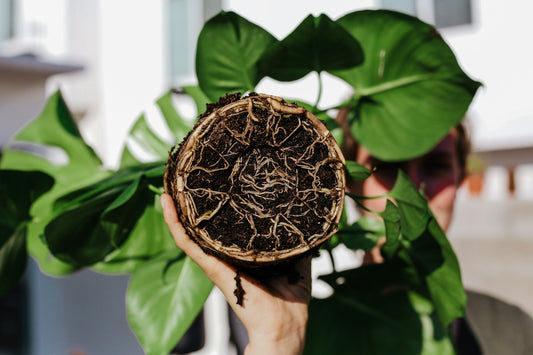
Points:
54	127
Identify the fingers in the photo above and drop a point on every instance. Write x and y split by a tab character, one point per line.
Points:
216	270
223	274
178	232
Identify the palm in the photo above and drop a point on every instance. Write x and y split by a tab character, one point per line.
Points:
273	307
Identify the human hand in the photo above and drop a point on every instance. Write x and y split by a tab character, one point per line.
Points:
274	310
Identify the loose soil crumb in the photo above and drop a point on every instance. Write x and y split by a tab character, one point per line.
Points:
239	290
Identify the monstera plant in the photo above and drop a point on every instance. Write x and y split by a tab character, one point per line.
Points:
408	91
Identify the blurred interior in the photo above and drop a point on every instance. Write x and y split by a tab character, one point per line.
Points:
110	69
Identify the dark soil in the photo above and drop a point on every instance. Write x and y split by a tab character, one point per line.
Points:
262	183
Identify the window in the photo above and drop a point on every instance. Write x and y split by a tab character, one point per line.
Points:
181	18
405	6
7	19
452	12
441	13
185	20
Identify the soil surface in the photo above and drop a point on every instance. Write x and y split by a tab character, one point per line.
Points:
258	180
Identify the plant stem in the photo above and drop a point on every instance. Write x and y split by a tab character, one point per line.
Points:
156	190
319	96
390	85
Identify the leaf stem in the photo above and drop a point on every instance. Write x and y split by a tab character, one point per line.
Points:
390	85
157	190
319	95
362	197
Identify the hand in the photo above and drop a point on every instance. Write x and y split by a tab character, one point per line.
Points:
274	311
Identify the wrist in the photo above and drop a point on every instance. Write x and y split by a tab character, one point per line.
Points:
283	342
280	347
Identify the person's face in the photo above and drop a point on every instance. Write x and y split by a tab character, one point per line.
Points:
437	173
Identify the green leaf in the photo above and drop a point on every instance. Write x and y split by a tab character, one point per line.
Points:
13	259
93	221
363	234
120	216
434	268
149	237
163	299
412	206
18	191
356	171
435	262
127	158
392	219
146	138
119	178
366	279
416	243
228	49
54	127
76	236
396	322
410	90
333	127
317	44
198	96
177	125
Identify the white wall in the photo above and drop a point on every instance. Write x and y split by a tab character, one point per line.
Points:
121	46
497	50
132	66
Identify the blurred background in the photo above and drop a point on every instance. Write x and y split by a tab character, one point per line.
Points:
113	59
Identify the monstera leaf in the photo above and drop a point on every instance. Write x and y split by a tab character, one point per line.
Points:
409	91
317	44
91	222
229	47
149	237
53	128
117	222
